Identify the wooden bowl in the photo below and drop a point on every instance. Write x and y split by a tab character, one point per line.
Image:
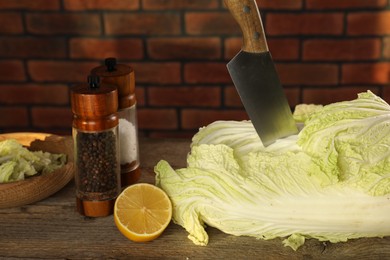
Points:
38	187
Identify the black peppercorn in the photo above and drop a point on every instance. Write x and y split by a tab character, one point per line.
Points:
97	163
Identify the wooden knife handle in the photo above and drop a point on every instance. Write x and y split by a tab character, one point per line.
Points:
246	14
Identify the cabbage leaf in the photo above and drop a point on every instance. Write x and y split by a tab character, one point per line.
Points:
17	162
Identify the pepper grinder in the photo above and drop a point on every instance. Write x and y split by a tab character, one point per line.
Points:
123	77
96	147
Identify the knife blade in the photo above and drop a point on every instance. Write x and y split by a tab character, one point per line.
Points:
255	77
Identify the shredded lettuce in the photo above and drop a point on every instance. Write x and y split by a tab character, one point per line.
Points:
330	182
17	162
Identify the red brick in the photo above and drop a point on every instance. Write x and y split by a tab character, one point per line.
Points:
193	118
326	96
304	24
284	49
77	5
184	48
232	99
30	47
92	48
232	47
11	23
157	73
63	23
308	74
38	5
386	94
142	23
13	117
345	4
56	94
179	4
369	23
60	71
366	73
198	96
281	49
210	23
279	4
206	72
163	119
51	117
140	96
338	50
386	47
293	96
12	70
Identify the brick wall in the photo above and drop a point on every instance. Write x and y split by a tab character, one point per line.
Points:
325	51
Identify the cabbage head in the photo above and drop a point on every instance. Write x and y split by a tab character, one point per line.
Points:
330	182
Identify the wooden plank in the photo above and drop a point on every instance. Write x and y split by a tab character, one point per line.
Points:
52	229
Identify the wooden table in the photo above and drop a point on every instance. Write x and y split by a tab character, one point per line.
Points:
52	229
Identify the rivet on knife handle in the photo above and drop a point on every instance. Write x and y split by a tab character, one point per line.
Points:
246	14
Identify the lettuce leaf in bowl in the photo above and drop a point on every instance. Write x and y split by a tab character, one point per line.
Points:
17	162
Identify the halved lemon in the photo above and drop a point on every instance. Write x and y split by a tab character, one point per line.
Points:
142	212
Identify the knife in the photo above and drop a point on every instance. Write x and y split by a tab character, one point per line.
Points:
255	77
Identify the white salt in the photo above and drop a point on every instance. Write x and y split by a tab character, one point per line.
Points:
127	141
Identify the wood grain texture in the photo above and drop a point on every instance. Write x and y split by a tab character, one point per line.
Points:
124	78
94	108
247	15
52	229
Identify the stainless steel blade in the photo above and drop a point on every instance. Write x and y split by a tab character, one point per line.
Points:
257	82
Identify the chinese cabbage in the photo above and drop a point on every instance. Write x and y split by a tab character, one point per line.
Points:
330	182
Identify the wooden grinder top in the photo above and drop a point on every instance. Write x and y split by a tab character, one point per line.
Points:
120	75
94	105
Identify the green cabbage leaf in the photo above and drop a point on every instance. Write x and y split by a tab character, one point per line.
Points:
330	182
17	162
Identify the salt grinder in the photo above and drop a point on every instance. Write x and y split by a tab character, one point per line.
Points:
96	147
123	77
